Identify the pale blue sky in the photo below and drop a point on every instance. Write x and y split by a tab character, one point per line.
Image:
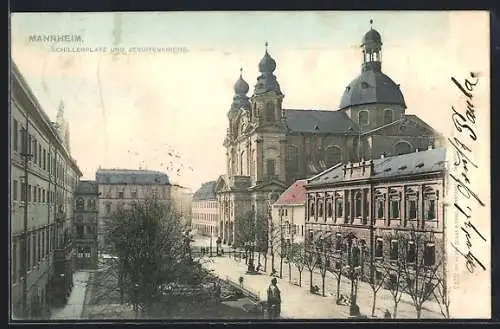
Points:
182	99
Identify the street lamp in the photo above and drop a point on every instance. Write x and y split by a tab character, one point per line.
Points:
353	255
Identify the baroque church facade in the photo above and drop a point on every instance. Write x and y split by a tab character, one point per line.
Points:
269	147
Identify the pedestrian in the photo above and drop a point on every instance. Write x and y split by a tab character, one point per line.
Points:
387	314
274	300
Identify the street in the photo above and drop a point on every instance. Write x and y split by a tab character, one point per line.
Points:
74	306
299	303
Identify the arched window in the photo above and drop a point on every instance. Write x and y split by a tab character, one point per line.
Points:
363	118
333	155
270	112
388	116
79	204
292	158
402	148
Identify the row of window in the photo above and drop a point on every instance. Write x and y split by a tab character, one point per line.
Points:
39	245
28	144
134	194
210	217
35	194
82	230
363	117
204	204
80	204
320	208
396	250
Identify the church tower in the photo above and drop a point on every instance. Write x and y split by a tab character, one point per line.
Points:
267	116
238	115
267	98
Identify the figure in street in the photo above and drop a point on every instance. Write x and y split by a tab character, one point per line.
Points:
274	300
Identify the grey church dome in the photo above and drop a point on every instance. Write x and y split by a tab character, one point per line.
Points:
370	87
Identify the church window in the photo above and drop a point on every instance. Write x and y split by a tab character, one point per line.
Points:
388	116
402	148
79	203
271	167
293	158
269	112
242	156
333	155
363	118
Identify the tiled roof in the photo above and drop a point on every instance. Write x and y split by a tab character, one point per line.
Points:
131	176
319	121
205	192
87	187
295	194
402	165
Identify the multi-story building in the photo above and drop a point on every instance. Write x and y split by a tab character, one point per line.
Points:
387	208
205	210
43	178
120	187
268	147
288	214
85	224
181	198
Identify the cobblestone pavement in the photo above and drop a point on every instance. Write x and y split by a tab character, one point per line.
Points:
298	302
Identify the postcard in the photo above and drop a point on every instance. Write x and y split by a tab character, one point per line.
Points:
250	165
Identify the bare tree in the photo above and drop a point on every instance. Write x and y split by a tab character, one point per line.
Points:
394	270
441	296
323	247
375	280
152	251
311	260
421	269
298	258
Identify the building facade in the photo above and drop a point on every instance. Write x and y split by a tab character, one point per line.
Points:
288	213
268	147
391	210
85	224
205	210
43	179
120	187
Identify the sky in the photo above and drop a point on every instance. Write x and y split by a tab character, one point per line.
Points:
167	111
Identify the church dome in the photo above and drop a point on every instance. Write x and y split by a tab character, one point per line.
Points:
267	64
372	36
241	86
372	86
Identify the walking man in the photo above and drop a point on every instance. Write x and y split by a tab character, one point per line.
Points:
274	300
